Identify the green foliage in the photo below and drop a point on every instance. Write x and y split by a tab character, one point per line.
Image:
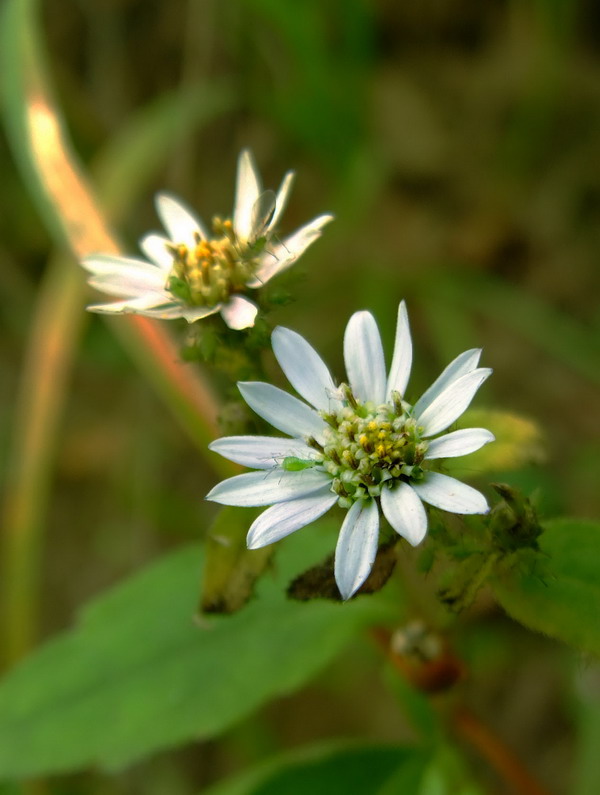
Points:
556	591
138	674
334	769
318	91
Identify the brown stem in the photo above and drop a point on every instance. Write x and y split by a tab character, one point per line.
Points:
436	675
499	757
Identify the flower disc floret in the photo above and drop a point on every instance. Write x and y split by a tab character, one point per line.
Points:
210	272
366	447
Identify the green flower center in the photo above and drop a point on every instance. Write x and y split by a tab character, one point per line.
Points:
366	446
213	270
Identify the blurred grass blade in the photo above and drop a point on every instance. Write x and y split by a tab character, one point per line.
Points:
46	367
69	210
555	332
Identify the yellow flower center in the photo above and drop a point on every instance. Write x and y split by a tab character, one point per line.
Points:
210	272
366	446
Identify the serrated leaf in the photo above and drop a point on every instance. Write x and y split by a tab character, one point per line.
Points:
340	768
138	674
519	442
557	591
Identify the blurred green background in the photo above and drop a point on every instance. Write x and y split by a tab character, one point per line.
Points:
457	145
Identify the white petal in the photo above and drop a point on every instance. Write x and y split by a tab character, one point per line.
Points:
179	221
155	248
450	494
260	452
402	359
282	198
130	282
451	403
278	258
247	191
239	312
464	363
303	368
356	547
280	520
150	304
265	488
459	443
283	411
405	512
363	355
106	264
165	312
193	313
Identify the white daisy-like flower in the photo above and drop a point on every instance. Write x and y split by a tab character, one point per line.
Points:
360	445
192	274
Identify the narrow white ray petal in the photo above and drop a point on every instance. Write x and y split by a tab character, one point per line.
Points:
405	512
402	359
458	443
363	356
277	258
165	312
239	312
266	488
129	282
282	198
451	403
450	494
356	547
260	452
247	191
464	363
150	304
280	520
193	313
155	248
106	264
283	411
179	221
303	368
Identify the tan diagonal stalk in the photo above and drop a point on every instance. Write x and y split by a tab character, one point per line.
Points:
71	212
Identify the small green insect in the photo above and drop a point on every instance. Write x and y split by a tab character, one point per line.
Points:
292	464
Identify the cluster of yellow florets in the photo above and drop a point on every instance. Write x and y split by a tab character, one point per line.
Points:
213	270
367	446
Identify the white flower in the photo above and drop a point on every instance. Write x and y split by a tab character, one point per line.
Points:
360	445
191	274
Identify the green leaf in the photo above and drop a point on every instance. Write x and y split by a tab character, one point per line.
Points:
341	768
557	591
518	443
139	674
